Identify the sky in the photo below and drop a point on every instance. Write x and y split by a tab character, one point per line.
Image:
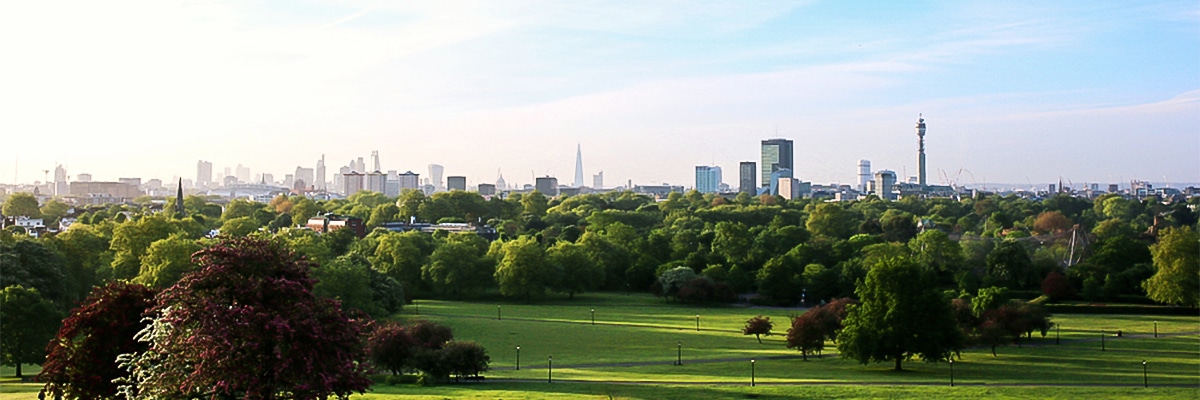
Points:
1012	92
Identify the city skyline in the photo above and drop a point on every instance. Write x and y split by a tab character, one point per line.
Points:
1012	93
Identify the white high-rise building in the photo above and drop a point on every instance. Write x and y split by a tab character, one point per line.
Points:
319	179
864	174
203	173
60	181
598	181
435	177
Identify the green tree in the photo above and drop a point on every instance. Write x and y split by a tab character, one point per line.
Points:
829	220
166	261
579	272
458	266
304	209
901	314
673	279
409	204
383	213
401	256
21	204
31	264
933	249
85	251
1177	264
523	271
535	204
54	210
130	241
29	323
240	226
1009	264
348	279
733	241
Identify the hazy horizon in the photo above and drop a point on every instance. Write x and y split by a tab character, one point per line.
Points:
1011	93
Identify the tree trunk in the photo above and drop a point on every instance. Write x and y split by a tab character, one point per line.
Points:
804	354
759	338
18	370
993	351
898	365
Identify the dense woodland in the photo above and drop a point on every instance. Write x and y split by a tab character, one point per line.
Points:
785	251
858	265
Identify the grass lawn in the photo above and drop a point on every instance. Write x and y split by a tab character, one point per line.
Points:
631	350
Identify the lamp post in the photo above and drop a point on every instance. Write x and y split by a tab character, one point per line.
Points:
1102	348
1056	341
518	358
697	322
416	307
751	372
550	369
498	314
1145	379
593	316
1156	329
951	372
679	353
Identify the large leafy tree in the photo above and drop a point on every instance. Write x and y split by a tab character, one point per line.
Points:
31	264
130	241
523	271
401	256
21	204
85	253
458	266
29	322
579	272
167	260
1177	264
901	315
246	324
82	359
1009	264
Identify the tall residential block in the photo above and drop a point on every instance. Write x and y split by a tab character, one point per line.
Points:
776	155
707	178
203	173
747	171
864	174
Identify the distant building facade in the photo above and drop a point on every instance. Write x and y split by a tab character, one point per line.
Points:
776	155
708	178
547	185
747	171
456	183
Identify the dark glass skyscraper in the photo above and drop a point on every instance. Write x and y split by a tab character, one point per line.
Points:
776	155
746	172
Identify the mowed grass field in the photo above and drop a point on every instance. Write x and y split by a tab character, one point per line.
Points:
631	352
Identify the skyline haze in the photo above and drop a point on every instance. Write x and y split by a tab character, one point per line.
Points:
1011	93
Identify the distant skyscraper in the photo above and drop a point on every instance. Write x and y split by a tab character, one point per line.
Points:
243	174
598	181
375	160
319	179
707	178
203	173
60	181
304	175
547	186
456	183
435	176
354	182
921	151
776	155
747	171
884	180
376	182
409	180
864	174
578	166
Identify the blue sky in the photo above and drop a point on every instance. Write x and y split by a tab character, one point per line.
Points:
1012	92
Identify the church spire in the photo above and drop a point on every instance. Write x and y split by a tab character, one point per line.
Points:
179	199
